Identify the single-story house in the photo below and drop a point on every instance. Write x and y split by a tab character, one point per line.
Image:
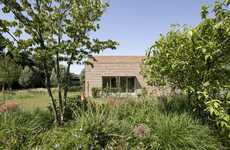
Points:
116	73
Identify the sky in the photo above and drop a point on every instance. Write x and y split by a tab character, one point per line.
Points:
136	24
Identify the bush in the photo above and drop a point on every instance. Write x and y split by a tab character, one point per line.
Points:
96	92
134	124
75	88
76	106
19	130
31	78
92	130
178	104
169	131
141	92
9	71
182	132
196	60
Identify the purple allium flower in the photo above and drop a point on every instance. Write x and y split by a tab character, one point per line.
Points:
141	130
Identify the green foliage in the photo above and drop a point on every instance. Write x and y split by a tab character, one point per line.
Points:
53	76
176	128
195	60
135	124
142	92
31	78
74	107
96	92
9	70
55	31
75	89
20	129
178	104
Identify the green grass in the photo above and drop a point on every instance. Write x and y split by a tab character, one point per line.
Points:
100	124
31	99
107	127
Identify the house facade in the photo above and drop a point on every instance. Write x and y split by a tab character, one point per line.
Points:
114	73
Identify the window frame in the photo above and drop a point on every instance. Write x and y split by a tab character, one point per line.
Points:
118	82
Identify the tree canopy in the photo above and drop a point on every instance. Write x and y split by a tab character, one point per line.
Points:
197	61
51	30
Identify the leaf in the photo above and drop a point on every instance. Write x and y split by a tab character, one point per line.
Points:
190	33
204	11
5	9
206	84
17	33
228	95
227	2
207	57
204	50
211	110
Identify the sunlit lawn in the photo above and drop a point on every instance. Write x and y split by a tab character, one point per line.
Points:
31	99
38	98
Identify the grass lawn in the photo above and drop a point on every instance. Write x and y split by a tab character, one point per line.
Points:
31	99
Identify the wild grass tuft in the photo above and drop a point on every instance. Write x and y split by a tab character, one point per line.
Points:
134	124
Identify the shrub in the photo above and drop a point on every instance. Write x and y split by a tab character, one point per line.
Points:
197	60
141	92
31	78
167	131
19	130
9	71
75	88
134	124
74	107
178	104
96	92
91	130
182	132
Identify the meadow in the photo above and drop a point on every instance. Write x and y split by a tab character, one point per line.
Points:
104	123
31	99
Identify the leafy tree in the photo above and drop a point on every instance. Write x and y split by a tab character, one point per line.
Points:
52	29
195	60
62	76
31	78
9	71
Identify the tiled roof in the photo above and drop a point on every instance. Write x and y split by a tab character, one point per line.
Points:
118	59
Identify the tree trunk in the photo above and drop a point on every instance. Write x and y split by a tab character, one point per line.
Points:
48	86
3	88
47	75
67	78
61	110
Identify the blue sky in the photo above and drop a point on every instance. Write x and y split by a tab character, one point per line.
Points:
136	24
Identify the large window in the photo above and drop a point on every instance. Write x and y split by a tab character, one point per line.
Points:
123	84
119	84
131	84
105	82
